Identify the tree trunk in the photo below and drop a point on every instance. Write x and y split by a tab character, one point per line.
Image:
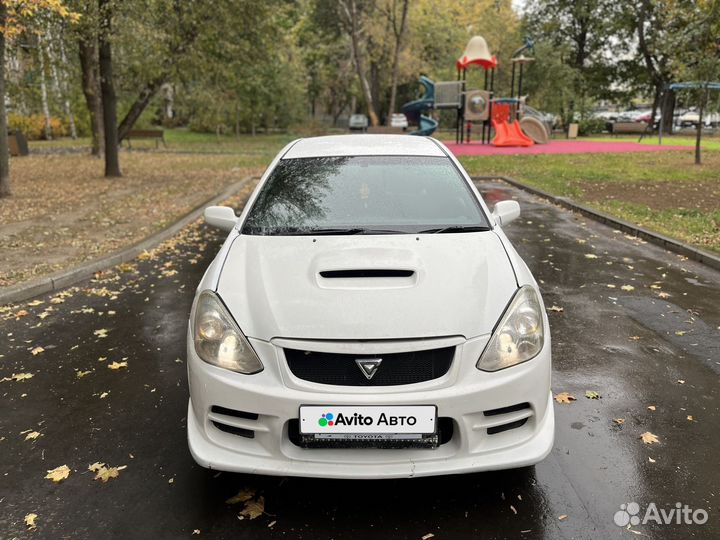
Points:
137	108
107	90
399	34
43	92
667	111
66	91
4	157
88	53
351	15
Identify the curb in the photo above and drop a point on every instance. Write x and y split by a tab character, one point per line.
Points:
681	248
64	278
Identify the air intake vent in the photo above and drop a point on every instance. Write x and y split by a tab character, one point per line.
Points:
505	410
505	427
232	412
242	432
366	273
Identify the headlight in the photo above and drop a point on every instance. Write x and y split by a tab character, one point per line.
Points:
519	337
218	340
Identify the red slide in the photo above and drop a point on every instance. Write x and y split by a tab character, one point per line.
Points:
507	134
510	135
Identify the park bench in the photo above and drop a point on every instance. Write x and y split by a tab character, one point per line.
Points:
628	128
153	134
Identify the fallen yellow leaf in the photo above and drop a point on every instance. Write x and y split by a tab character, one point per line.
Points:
105	473
619	421
30	521
101	333
649	438
37	350
591	256
563	517
556	309
690	418
627	288
651	407
253	509
17	377
58	474
243	495
564	397
32	435
117	365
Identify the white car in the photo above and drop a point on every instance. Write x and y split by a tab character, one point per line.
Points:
358	122
399	120
367	317
691	118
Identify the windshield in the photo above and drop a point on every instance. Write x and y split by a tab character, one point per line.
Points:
365	195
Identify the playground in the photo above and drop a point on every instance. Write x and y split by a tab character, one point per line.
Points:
502	122
489	125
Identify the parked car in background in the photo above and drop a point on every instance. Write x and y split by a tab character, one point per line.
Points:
648	116
632	115
608	116
367	317
399	120
358	122
690	119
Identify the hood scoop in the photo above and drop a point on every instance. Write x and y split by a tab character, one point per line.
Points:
366	273
367	278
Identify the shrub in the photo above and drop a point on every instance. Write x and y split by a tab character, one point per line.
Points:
590	126
33	126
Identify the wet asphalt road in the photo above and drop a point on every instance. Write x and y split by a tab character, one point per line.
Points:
634	347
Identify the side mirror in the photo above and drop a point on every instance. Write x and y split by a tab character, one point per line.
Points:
505	212
222	217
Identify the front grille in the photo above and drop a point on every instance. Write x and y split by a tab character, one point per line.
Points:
395	369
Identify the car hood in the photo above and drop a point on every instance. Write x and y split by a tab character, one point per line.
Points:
367	287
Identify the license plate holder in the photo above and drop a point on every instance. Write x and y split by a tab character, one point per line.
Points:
375	426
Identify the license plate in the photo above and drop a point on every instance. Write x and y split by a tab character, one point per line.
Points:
348	420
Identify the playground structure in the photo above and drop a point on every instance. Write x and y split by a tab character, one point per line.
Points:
414	109
510	121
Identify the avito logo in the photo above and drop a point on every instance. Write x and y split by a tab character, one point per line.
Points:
356	419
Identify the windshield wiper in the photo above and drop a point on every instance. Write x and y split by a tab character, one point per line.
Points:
334	231
456	229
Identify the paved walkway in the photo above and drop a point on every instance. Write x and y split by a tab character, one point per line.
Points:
638	325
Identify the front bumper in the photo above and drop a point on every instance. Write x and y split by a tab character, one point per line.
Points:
463	395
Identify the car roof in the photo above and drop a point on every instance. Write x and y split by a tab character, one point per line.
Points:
364	145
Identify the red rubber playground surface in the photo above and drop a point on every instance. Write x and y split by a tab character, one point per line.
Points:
559	147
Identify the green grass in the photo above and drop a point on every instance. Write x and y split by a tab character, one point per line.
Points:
184	140
571	175
710	142
695	227
564	175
